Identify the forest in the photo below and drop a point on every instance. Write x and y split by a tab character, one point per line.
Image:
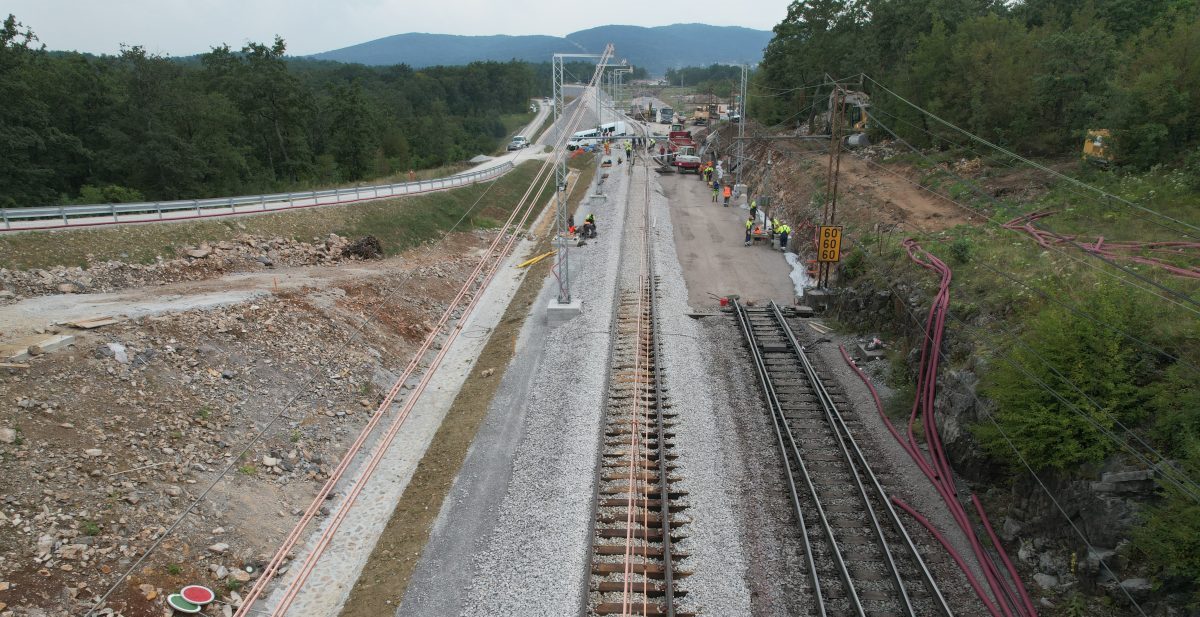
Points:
719	79
1031	75
86	129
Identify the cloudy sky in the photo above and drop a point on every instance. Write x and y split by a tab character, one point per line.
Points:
183	27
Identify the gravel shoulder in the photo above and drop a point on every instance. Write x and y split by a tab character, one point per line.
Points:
512	537
709	455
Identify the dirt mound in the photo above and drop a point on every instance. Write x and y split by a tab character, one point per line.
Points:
367	247
244	253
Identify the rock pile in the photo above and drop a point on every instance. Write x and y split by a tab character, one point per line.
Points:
105	447
244	252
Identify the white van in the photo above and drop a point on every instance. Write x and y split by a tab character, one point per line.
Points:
583	138
617	128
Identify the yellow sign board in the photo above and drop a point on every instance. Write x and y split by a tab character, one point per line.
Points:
829	247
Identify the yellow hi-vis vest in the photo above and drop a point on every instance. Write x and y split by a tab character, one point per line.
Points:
784	229
749	224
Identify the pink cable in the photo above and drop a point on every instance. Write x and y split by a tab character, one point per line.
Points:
1126	249
926	396
962	565
952	504
1008	564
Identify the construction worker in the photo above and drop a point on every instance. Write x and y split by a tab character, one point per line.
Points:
728	192
773	226
716	189
784	231
754	209
749	231
629	150
589	226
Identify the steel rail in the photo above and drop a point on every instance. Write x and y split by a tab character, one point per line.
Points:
849	446
773	402
664	493
780	421
276	563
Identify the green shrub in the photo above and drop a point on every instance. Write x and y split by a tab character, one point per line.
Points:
960	250
1042	413
107	194
853	266
1170	538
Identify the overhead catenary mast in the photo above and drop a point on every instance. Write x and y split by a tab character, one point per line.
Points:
561	218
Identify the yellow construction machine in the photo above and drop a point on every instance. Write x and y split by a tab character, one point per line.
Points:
1098	147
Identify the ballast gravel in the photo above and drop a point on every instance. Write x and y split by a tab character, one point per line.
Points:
535	561
705	442
907	481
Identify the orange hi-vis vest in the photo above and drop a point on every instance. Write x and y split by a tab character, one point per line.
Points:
728	191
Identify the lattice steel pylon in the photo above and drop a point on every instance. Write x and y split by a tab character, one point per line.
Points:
741	110
561	218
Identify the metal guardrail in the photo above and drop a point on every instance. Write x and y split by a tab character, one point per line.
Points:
58	217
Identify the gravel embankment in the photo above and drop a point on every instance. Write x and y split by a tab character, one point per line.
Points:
535	560
710	458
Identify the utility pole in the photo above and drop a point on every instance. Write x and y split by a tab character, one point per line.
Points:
837	100
764	194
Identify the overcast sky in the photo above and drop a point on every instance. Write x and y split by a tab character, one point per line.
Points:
184	27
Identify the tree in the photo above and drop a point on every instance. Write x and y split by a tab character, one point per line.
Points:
353	132
1157	94
1052	424
29	143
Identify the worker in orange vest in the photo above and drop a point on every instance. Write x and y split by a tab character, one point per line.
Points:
727	192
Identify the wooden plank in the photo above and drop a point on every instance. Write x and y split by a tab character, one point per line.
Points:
92	322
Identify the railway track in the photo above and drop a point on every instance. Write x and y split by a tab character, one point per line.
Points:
633	564
862	561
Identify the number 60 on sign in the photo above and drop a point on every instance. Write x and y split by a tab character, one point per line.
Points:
829	247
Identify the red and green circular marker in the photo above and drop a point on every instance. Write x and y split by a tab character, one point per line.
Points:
198	594
178	603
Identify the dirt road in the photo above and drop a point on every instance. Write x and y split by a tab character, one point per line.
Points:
709	240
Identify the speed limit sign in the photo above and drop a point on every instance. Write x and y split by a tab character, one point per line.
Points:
829	244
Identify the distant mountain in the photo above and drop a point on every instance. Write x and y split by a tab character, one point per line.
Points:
657	49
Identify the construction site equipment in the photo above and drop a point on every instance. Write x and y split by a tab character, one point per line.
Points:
683	149
533	260
666	115
1097	147
700	116
854	117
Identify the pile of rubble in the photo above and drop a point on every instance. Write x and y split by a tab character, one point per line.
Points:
968	167
106	444
877	152
245	252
